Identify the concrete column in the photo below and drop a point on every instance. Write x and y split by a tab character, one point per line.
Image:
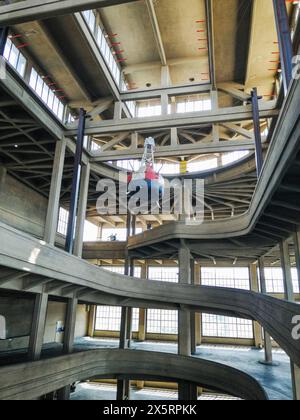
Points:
289	295
92	320
254	285
143	312
82	206
70	325
54	196
164	104
38	326
198	317
193	314
3	172
118	111
174	136
287	273
185	391
267	338
64	393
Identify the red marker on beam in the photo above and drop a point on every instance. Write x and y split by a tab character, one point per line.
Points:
22	46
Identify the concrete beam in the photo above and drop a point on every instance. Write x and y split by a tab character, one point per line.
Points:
30	10
175	150
234	114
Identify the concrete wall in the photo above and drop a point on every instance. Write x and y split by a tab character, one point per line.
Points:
18	310
20	206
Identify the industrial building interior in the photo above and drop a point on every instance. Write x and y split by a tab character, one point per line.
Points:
149	306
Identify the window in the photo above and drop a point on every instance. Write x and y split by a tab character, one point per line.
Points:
193	104
2	328
226	327
167	274
108	318
274	280
148	110
101	39
236	278
39	85
161	321
90	19
15	57
63	219
233	157
203	165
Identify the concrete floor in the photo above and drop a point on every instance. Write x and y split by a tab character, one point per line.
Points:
275	379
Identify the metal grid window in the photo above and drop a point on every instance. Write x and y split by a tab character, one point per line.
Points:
107	52
15	57
226	327
235	278
193	104
63	219
161	321
168	274
48	96
274	280
108	318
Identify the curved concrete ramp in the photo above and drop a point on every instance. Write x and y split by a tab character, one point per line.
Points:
27	381
34	256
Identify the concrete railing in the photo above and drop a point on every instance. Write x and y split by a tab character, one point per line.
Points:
31	380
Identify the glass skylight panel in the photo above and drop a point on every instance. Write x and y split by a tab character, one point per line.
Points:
15	58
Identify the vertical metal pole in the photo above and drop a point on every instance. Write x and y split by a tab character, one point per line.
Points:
75	183
3	39
285	41
257	134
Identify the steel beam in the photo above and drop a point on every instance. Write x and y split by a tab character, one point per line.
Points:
257	133
30	10
75	183
285	41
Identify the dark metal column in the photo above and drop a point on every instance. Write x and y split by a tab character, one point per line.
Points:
75	183
285	41
3	39
257	134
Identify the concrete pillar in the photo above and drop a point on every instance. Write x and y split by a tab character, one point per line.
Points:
92	320
143	312
164	103
3	172
38	326
289	295
54	196
118	110
174	136
82	206
193	314
267	338
287	272
198	317
165	77
254	285
185	391
70	325
63	394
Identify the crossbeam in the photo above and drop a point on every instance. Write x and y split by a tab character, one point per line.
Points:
30	10
234	114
